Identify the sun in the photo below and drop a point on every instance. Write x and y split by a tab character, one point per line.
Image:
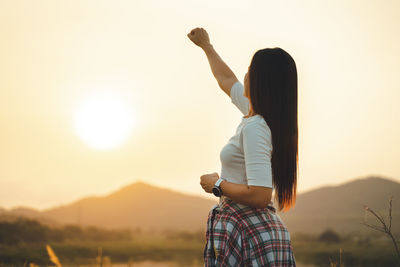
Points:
103	120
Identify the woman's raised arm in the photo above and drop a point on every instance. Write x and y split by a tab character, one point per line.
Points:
222	73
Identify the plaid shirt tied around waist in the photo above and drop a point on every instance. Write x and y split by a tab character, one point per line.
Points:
240	235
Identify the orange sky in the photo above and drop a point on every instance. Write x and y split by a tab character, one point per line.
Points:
53	54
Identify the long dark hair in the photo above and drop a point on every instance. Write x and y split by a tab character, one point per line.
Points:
273	94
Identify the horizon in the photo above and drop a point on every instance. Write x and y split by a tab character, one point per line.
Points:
192	194
99	94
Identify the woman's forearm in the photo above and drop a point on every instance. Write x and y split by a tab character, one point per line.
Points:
219	69
239	193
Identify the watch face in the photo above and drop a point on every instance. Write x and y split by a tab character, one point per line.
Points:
216	191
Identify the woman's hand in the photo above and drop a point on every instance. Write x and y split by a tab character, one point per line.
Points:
208	181
199	36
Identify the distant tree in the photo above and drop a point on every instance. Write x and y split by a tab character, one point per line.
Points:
302	236
365	241
73	232
31	230
9	233
56	234
23	230
329	236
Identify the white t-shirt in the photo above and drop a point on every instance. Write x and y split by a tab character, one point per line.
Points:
246	158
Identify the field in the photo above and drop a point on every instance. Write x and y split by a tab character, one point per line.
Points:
186	250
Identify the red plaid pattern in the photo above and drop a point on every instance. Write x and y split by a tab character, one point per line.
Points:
240	235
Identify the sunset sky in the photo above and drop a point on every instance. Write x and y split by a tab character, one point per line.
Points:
57	55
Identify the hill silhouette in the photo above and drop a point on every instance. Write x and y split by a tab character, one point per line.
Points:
153	208
342	206
139	205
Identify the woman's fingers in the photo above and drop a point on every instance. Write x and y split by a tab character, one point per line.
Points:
203	182
199	36
192	32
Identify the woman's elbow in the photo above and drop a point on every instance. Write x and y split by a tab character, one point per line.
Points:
261	196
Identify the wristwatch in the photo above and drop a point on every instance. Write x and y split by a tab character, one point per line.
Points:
217	191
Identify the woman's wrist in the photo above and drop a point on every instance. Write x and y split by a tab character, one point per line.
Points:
207	48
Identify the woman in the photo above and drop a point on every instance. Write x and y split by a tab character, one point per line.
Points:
244	228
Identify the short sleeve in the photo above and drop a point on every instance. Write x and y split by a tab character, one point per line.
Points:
238	99
257	149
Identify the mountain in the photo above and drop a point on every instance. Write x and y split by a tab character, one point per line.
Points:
138	205
341	207
152	208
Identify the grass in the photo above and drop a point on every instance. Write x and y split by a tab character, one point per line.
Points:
346	253
185	249
100	253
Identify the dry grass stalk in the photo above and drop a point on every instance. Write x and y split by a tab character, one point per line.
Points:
53	256
334	264
99	258
100	261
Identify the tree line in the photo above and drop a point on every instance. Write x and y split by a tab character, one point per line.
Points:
25	230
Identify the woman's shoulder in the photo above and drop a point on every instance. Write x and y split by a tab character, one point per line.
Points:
256	123
256	131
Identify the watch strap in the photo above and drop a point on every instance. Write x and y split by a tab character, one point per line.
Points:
219	181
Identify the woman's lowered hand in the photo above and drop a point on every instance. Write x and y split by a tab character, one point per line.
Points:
208	181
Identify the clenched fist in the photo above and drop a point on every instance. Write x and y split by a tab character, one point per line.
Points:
199	36
207	181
